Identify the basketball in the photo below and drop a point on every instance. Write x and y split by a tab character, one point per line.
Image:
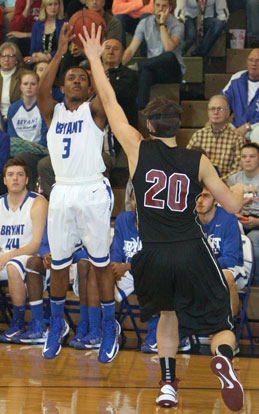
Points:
85	18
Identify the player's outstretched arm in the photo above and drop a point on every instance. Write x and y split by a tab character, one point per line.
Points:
128	136
45	101
231	199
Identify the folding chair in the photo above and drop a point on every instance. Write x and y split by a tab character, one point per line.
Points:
244	293
126	309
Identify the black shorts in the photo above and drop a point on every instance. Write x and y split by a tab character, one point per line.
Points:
184	277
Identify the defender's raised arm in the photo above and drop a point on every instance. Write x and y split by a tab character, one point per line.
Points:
128	136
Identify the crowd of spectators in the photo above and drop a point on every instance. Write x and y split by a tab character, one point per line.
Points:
30	39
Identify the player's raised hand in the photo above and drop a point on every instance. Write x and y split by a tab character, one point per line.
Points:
66	36
92	45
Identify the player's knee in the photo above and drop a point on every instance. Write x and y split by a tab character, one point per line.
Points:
35	263
83	267
12	272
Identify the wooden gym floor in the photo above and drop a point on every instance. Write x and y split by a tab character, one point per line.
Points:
76	383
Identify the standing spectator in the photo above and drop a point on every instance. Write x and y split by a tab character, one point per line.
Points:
25	121
199	18
45	32
129	13
26	12
219	140
163	35
242	92
250	175
10	72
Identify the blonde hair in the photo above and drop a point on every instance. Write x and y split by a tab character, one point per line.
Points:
16	51
43	14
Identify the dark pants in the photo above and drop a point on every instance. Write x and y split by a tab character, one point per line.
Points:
212	30
164	68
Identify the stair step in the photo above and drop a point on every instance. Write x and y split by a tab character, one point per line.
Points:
215	82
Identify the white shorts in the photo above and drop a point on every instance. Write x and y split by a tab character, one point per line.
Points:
80	212
20	263
240	276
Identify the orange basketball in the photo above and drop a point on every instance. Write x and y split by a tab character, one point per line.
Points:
85	18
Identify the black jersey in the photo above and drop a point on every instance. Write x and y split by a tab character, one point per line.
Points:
166	186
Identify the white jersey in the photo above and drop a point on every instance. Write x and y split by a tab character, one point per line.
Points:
75	145
16	226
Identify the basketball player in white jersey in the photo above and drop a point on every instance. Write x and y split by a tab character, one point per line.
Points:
81	200
167	180
23	217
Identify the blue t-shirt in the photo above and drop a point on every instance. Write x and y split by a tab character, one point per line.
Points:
224	237
126	241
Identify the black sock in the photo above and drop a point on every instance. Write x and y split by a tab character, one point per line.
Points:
225	350
168	369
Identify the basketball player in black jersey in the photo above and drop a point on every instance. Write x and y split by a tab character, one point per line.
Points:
175	272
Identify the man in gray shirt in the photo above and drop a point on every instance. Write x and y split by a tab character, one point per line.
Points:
163	34
250	213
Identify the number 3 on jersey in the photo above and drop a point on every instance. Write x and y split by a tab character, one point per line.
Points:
177	193
67	144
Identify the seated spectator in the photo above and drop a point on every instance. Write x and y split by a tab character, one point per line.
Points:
22	241
10	72
252	16
199	19
56	92
74	55
242	92
223	234
249	217
25	121
129	13
4	156
219	140
26	12
163	35
45	32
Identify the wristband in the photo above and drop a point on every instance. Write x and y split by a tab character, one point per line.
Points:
162	24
